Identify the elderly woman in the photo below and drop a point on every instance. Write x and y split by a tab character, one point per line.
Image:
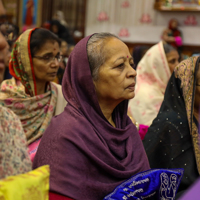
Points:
30	94
153	73
93	146
172	141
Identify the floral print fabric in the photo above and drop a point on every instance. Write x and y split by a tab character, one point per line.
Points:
34	112
152	77
14	158
20	93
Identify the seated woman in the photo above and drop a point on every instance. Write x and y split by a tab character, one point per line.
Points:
30	94
172	35
14	158
93	146
153	73
172	140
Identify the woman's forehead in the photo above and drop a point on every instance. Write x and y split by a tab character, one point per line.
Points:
49	46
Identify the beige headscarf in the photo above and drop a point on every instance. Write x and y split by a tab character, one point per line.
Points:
153	74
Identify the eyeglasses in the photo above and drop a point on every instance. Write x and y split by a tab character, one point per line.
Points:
49	59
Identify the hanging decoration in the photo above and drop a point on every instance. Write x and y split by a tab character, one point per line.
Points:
146	18
190	20
125	4
102	16
124	32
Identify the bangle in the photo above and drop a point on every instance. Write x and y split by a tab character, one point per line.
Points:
137	125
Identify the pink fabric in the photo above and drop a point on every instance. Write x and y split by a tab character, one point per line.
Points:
153	74
143	130
32	149
178	40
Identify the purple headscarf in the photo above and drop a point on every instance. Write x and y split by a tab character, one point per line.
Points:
88	157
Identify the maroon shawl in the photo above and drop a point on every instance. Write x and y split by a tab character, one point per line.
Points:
88	157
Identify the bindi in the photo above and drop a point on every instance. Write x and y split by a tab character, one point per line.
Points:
127	57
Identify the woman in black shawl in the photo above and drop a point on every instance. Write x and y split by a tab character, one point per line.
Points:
172	140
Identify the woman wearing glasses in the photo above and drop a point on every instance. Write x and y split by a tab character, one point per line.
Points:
31	94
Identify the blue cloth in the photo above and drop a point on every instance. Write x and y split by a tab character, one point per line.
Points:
154	184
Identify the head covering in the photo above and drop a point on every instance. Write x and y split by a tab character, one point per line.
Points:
152	77
20	93
88	157
21	64
172	141
14	158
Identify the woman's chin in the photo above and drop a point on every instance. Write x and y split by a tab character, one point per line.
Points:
131	95
53	78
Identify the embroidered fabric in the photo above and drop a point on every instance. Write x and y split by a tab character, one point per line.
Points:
155	184
172	141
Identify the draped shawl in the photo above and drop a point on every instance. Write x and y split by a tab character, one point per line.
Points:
88	157
20	93
172	141
152	77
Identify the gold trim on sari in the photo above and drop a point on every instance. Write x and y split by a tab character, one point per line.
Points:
186	72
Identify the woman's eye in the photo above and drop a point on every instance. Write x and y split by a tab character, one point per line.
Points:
121	65
172	61
47	57
132	65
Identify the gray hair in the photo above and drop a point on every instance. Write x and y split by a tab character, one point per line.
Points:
96	51
168	48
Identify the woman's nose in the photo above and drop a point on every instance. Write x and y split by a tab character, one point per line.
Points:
131	72
55	63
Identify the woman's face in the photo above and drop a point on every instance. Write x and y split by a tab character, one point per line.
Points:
45	69
174	24
172	59
64	48
116	78
54	29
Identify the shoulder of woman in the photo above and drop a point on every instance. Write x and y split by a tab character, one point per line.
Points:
12	88
61	102
56	86
10	121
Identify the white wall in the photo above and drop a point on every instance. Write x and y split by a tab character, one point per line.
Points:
141	33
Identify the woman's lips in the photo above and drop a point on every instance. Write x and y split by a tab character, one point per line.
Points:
53	74
131	87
